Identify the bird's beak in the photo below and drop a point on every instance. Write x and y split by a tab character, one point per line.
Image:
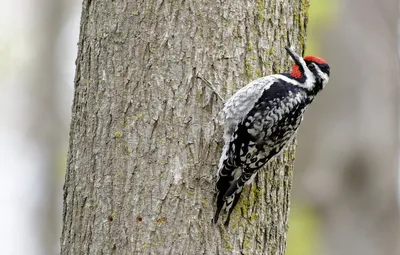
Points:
296	58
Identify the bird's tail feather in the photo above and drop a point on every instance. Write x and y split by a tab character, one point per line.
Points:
222	186
235	200
228	197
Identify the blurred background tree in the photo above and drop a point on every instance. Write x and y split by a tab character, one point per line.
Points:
346	174
38	49
346	171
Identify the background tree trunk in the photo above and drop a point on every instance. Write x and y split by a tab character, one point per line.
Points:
350	156
32	131
144	141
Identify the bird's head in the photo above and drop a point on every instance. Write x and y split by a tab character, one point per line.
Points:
312	72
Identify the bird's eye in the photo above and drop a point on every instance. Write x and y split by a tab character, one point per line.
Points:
311	66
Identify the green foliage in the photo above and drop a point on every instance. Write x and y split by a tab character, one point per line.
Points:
321	14
303	232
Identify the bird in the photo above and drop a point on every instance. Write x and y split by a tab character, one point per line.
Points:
259	120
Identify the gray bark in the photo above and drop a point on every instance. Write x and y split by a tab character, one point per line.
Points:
144	142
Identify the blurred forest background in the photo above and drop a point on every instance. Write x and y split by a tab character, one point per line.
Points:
345	198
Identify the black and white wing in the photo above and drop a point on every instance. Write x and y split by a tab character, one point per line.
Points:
259	120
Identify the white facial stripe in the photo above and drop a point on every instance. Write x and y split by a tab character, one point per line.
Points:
286	79
310	79
324	76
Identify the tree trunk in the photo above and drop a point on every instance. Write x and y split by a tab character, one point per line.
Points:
144	140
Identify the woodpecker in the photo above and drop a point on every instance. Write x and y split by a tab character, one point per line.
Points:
259	120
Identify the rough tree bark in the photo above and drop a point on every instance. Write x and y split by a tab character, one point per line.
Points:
144	141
